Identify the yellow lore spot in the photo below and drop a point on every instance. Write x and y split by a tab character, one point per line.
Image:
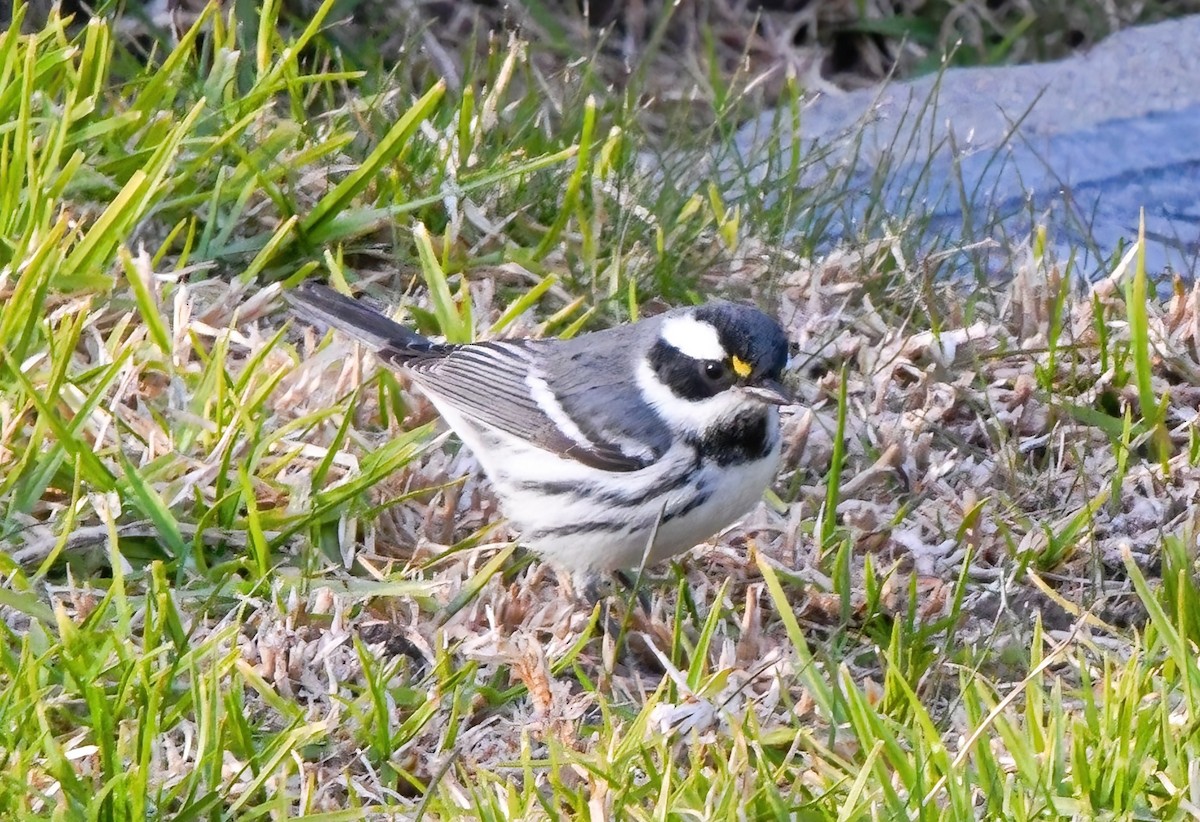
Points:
741	367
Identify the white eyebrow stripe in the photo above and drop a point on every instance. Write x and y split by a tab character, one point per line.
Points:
693	338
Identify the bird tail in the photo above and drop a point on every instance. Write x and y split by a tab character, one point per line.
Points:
321	304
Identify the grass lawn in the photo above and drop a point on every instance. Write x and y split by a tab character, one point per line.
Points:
248	575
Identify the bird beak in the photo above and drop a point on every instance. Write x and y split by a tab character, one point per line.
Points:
769	391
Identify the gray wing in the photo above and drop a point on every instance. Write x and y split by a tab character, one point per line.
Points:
557	394
547	392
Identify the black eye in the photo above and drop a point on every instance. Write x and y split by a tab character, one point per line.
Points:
714	370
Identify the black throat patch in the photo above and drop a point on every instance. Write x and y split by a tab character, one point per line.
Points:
745	438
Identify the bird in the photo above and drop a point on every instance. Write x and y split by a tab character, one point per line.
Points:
610	451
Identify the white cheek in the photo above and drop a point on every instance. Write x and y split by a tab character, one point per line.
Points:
693	416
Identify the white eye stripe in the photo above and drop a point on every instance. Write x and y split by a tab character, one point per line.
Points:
693	338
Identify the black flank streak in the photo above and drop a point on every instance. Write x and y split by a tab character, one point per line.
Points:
702	496
584	527
743	439
595	494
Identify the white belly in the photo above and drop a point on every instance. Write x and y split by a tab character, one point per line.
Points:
552	525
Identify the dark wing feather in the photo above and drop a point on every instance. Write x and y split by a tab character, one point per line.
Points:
319	303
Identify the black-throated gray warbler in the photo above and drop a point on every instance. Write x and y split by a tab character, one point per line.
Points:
594	442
